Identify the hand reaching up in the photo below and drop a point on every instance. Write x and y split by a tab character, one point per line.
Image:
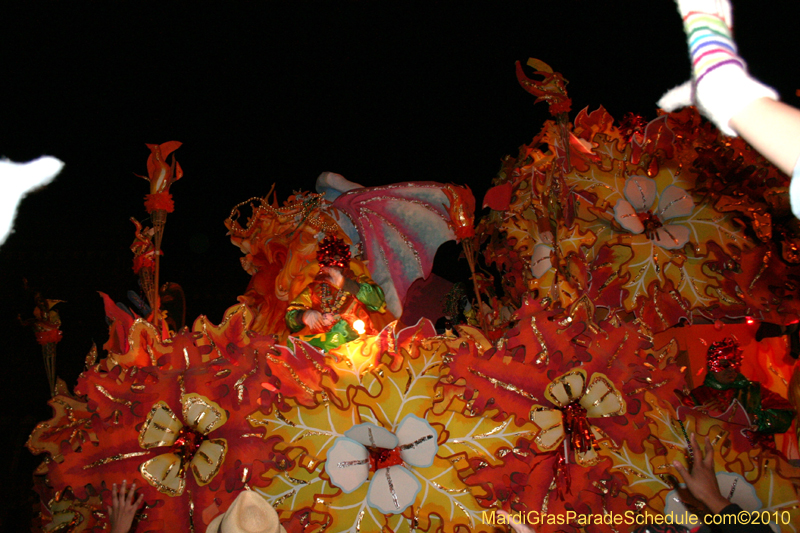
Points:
123	507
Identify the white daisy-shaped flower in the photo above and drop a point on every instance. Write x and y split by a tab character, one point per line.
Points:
635	213
367	448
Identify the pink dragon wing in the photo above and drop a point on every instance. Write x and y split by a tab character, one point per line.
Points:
401	226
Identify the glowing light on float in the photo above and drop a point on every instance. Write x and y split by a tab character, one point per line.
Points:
358	325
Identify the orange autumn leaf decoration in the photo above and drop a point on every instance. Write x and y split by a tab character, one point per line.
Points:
461	210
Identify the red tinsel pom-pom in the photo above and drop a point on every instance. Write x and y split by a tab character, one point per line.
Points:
159	201
48	336
142	261
726	350
333	251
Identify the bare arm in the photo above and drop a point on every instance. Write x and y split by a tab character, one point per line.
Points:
772	128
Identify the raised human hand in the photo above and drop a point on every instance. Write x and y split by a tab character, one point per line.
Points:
702	481
720	86
123	507
329	319
313	319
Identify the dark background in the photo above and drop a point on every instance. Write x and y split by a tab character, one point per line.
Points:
278	92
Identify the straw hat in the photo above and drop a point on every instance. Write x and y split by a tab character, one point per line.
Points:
249	513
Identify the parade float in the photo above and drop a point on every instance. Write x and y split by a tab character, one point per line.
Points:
613	255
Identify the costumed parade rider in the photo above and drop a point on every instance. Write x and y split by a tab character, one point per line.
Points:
769	413
334	308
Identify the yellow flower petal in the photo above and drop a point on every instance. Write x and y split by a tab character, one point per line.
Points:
567	388
602	399
201	414
208	460
550	421
164	473
160	428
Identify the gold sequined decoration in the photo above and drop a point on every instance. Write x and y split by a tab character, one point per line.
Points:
409	382
449	491
588	306
419	441
546	499
301	211
544	355
292	373
257	422
283	498
107	394
239	385
632	472
649	388
118	457
618	350
283	419
191	511
506	386
91	357
317	366
471	521
358	520
190	402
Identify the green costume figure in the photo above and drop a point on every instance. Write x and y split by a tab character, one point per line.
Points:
768	411
330	309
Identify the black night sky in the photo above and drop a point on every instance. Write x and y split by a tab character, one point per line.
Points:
278	92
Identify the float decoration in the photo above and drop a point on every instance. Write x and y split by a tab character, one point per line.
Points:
405	222
280	242
602	234
756	478
397	400
660	202
158	203
144	264
112	424
46	324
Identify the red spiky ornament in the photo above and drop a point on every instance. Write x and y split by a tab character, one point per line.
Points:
334	252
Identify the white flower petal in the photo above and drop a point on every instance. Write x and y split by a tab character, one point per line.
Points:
372	435
540	260
347	464
393	489
745	494
640	191
420	438
626	216
671	236
674	202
